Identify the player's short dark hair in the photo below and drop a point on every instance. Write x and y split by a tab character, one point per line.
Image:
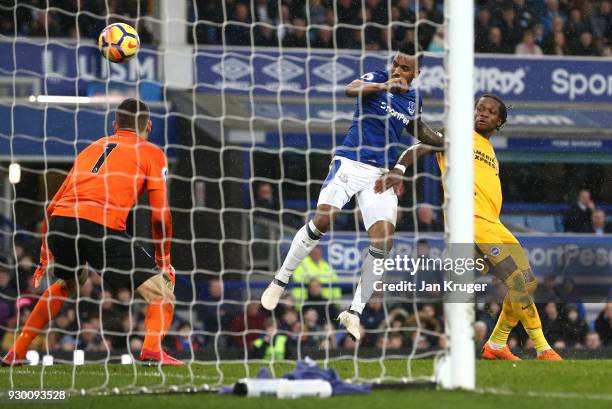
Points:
132	114
410	48
503	108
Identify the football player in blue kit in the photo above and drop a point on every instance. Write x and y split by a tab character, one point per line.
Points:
385	106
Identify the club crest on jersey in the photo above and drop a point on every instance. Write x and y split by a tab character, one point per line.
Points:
495	251
368	77
411	108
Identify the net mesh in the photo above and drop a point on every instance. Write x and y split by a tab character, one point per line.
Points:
249	142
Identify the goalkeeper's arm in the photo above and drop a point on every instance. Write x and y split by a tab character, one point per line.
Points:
161	221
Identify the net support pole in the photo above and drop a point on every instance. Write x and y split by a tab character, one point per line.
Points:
459	101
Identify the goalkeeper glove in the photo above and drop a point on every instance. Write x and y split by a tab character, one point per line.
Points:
41	269
166	268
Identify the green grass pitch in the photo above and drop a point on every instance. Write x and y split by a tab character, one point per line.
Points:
526	384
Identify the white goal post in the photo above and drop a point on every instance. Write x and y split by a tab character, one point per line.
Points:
459	102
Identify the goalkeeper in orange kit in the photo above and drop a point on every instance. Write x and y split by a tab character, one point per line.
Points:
494	242
85	225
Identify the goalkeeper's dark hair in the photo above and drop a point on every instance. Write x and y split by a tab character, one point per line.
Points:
410	48
132	114
503	108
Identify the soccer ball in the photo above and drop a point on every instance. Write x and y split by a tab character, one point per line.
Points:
119	42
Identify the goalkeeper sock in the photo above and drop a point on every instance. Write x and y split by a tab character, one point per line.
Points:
533	326
157	323
304	241
49	305
365	288
506	321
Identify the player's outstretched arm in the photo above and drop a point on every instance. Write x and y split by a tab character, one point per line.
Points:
425	134
396	175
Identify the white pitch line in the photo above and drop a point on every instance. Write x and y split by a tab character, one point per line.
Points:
103	374
544	394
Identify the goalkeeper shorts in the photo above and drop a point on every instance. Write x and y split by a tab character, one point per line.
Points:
120	260
348	178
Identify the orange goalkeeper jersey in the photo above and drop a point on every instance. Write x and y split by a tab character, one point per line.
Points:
108	177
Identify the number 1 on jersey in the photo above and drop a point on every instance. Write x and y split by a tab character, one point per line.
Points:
107	151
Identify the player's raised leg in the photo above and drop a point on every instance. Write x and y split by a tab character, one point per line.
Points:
379	216
305	240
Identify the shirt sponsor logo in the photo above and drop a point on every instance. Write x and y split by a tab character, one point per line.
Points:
395	114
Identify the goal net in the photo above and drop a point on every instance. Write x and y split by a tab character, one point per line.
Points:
247	101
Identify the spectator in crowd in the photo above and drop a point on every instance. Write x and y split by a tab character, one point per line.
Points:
547	291
213	312
575	26
393	340
558	26
314	267
586	46
558	45
185	340
323	38
512	33
238	31
593	341
488	315
428	320
576	330
528	45
296	34
315	12
270	346
265	36
603	325
327	311
243	324
601	22
578	217
265	11
313	331
552	323
264	201
426	218
552	11
524	15
373	315
288	320
481	30
495	44
569	294
598	221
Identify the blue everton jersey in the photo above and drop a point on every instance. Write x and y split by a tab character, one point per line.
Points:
378	123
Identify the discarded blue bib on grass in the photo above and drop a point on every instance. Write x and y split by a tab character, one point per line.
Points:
308	369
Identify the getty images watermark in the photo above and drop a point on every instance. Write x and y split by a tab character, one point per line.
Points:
431	275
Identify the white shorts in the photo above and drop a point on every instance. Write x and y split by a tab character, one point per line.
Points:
347	178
